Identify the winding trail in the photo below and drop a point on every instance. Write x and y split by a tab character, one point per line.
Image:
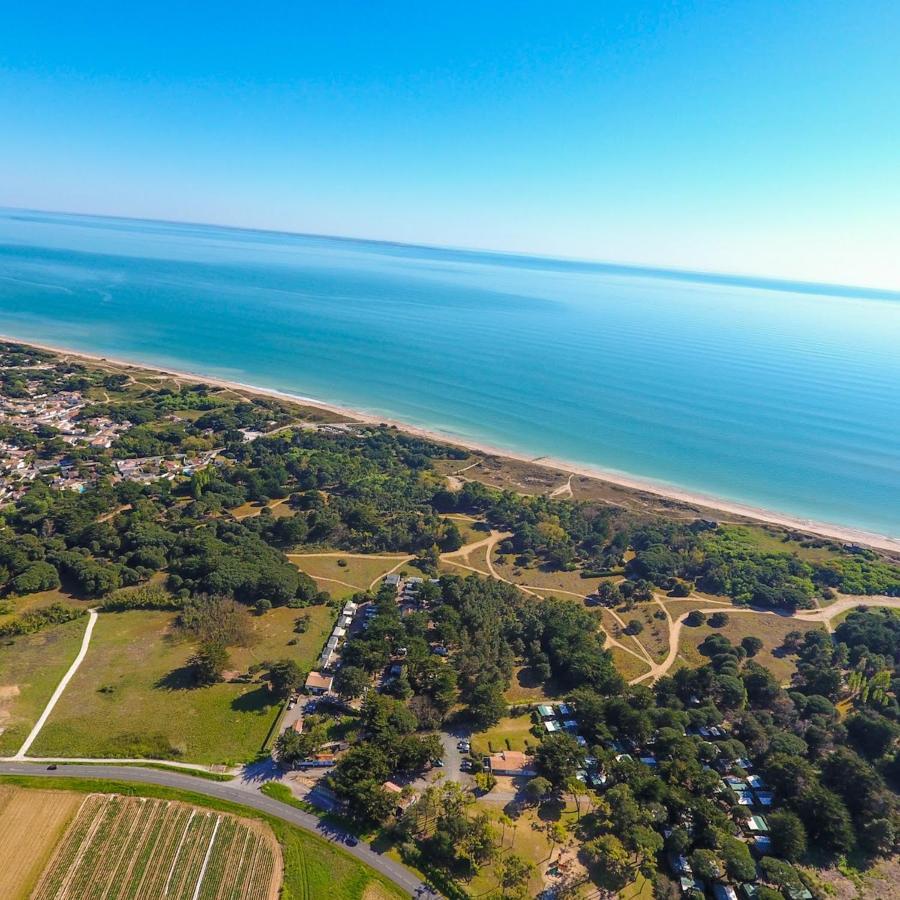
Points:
822	615
85	643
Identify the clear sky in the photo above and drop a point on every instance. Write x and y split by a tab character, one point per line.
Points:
753	137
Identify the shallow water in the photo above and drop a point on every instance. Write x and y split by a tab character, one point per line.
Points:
781	396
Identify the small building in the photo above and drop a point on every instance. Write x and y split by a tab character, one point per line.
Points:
393	580
744	798
350	609
565	710
551	725
765	798
402	802
756	782
510	762
757	825
317	683
724	892
546	711
318	761
339	632
761	845
688	883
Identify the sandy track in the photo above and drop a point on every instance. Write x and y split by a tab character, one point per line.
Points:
85	643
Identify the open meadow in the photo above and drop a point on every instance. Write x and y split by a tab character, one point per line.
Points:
31	666
770	629
344	574
134	694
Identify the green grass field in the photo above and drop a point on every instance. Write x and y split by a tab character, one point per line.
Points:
358	571
273	631
507	734
627	665
314	869
28	602
134	697
30	668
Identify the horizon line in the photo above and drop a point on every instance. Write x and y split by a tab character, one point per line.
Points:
760	282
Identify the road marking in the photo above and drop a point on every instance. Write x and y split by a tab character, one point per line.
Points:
85	641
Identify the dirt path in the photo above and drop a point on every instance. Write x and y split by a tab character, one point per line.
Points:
85	643
823	615
390	571
564	490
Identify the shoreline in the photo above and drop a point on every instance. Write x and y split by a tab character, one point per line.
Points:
846	534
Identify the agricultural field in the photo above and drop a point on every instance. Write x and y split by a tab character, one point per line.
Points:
138	847
134	696
32	666
31	825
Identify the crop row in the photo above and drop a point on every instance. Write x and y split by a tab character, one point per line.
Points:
132	848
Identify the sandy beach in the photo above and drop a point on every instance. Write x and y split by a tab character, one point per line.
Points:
707	505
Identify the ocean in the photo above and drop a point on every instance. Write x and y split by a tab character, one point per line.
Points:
777	395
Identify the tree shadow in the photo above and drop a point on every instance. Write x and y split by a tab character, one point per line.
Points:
180	679
551	810
257	700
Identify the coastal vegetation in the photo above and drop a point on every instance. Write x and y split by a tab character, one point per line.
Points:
686	650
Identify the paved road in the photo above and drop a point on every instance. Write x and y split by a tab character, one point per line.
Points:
398	874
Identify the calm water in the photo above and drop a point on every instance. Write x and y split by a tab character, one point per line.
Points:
785	397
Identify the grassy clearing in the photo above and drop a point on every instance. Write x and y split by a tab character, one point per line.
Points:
526	838
629	666
156	847
770	629
273	631
773	540
358	571
313	867
32	666
469	528
547	580
524	688
134	697
31	822
508	734
19	605
655	636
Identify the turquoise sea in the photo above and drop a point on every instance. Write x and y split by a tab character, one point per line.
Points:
779	395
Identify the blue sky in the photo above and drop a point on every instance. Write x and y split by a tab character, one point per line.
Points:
751	137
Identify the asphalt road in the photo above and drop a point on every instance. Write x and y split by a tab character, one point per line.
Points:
397	873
